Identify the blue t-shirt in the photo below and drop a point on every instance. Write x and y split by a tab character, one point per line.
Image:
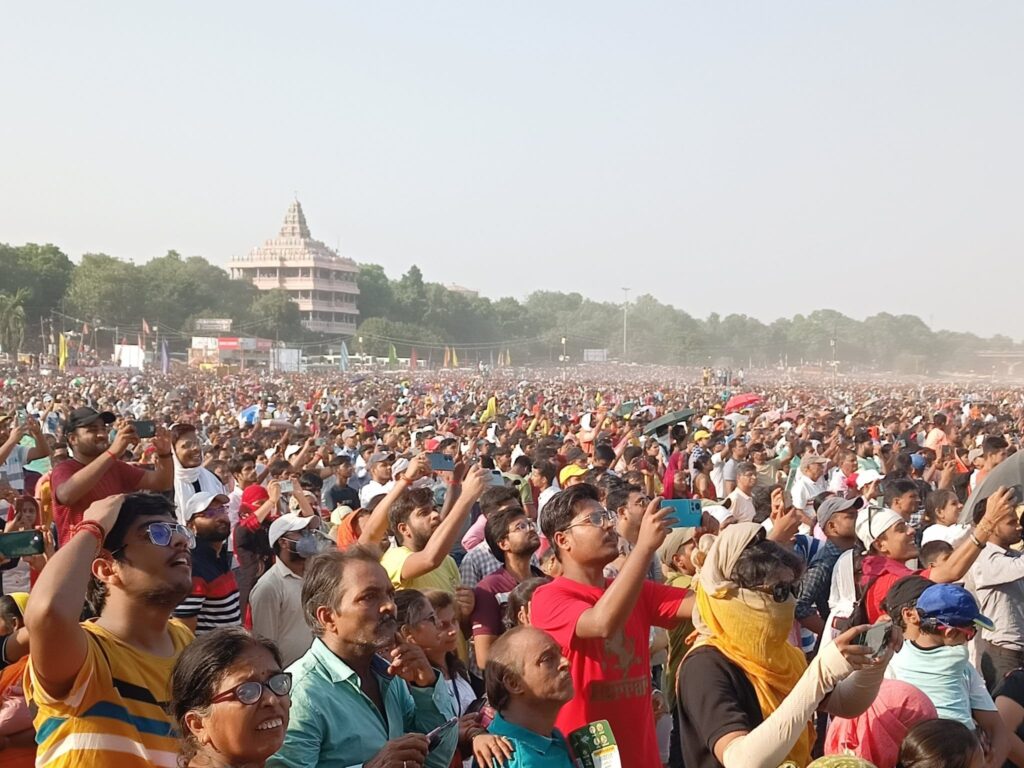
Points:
531	749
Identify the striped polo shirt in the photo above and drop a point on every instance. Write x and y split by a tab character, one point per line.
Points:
116	710
214	597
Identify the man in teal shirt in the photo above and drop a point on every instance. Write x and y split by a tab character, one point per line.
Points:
528	681
354	702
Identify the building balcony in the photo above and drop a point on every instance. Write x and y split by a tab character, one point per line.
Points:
319	305
330	326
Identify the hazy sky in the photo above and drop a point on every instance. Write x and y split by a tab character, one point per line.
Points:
764	158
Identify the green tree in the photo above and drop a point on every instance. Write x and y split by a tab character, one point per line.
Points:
376	296
12	320
276	316
107	289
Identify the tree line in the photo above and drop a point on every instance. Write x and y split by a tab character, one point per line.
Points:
43	291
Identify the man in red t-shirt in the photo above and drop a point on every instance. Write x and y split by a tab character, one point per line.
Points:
96	472
602	626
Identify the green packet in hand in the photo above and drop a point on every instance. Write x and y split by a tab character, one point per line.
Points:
594	746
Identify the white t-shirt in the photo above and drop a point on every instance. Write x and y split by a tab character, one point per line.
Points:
804	491
373	488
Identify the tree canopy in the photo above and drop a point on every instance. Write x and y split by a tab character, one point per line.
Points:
41	284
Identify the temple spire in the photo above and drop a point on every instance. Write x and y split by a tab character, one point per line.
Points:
295	222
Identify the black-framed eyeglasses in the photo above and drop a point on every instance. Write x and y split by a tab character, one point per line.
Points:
162	534
598	518
251	691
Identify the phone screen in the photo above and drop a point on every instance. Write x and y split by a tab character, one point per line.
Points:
686	513
21	544
440	462
286	486
876	638
145	428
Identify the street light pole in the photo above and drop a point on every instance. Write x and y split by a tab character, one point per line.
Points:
625	316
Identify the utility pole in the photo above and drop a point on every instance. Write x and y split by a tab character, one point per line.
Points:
625	320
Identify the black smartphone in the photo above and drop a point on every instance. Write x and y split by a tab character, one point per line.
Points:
145	428
435	736
876	638
476	706
21	544
440	462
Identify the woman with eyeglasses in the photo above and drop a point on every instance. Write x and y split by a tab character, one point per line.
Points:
230	699
427	619
747	696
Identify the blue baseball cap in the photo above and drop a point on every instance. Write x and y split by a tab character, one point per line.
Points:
953	606
918	461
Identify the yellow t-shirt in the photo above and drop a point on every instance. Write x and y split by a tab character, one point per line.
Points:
115	713
445	577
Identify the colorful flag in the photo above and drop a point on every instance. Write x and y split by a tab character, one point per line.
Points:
62	353
508	357
412	359
85	329
145	326
455	358
165	359
343	362
447	357
392	356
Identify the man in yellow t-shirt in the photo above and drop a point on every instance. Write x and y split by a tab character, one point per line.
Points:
422	559
102	686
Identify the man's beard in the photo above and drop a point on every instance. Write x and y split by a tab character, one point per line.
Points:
214	536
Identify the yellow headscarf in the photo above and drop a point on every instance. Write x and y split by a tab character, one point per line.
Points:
750	629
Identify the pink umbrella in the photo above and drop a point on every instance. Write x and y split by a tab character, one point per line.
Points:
745	400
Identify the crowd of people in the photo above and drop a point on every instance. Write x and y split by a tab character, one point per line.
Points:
641	567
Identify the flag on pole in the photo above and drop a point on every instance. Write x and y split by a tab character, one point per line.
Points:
508	357
145	327
85	329
492	358
455	358
62	353
343	357
165	359
412	359
392	356
447	357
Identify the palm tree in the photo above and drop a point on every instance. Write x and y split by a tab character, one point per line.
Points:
12	320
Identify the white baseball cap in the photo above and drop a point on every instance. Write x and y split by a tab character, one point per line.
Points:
286	524
866	476
200	501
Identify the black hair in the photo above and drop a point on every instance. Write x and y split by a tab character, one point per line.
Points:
405	505
759	562
935	501
522	465
939	419
496	497
899	488
520	596
938	744
993	444
405	602
604	452
496	528
930	552
199	670
311	481
619	495
561	509
546	469
237	462
9	610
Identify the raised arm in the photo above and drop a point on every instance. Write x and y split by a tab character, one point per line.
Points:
998	506
441	541
58	644
610	612
85	479
376	525
161	478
